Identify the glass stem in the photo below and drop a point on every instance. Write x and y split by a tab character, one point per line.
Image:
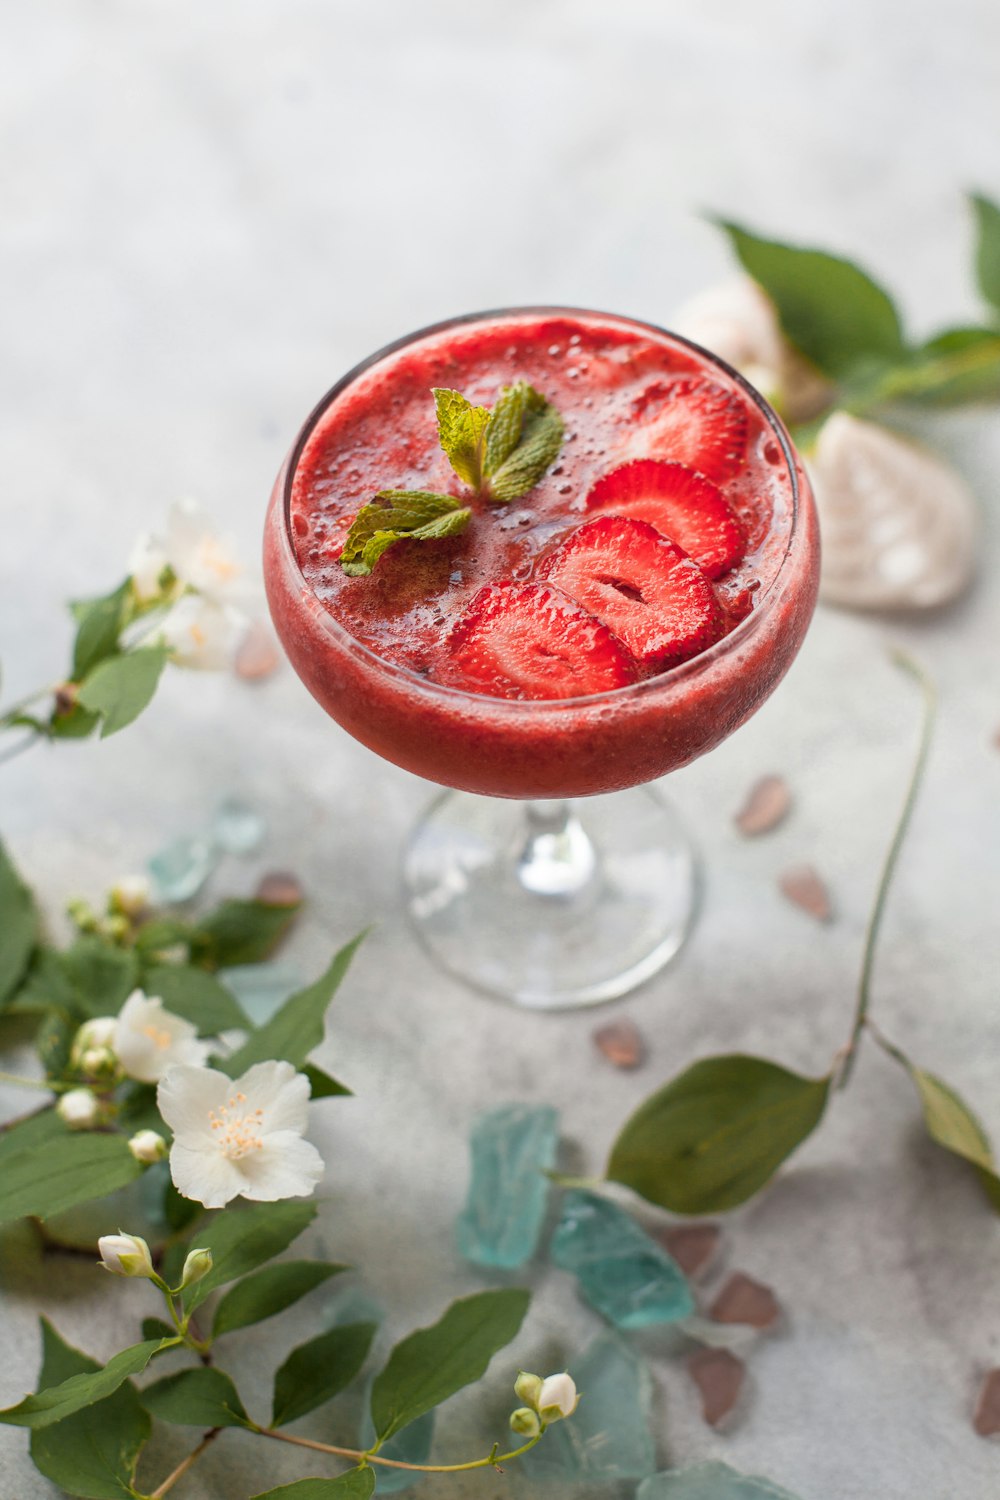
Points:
555	856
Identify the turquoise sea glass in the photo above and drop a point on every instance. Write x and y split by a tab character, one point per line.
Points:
608	1437
622	1271
710	1481
512	1147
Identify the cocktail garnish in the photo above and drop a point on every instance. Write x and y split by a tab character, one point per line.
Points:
395	515
503	453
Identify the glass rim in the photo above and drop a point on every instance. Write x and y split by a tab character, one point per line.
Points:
661	681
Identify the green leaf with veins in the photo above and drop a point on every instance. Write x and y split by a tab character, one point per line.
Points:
120	687
237	932
18	927
461	432
433	1363
268	1291
197	996
957	365
101	975
99	623
196	1398
527	438
319	1370
716	1134
988	248
397	516
94	1452
241	1239
953	1125
829	308
51	1404
61	1171
356	1484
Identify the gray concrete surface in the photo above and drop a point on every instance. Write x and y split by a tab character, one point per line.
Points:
209	212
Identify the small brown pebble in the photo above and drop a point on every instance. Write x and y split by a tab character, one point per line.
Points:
719	1376
986	1418
692	1246
766	806
621	1043
743	1300
257	655
279	888
803	887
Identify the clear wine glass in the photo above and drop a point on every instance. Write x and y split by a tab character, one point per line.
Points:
551	874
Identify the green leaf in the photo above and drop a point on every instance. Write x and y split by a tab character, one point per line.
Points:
101	975
537	430
461	429
829	308
54	1042
319	1370
39	1129
239	932
241	1239
953	1125
161	933
715	1135
356	1484
987	247
120	687
395	516
956	366
197	996
46	987
63	1171
94	1452
18	927
196	1398
297	1027
99	624
268	1291
53	1403
75	724
155	1328
322	1086
433	1363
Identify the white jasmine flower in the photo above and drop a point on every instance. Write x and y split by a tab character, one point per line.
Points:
737	321
558	1397
147	564
241	1138
149	1039
130	895
899	525
202	633
201	558
125	1254
147	1146
79	1109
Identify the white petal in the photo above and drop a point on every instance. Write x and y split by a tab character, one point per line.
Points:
186	1095
201	633
198	555
149	1039
146	565
281	1092
205	1174
285	1167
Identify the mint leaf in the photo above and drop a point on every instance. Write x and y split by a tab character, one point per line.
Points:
830	309
18	924
99	624
461	429
120	687
319	1370
524	438
716	1134
94	1452
988	248
395	515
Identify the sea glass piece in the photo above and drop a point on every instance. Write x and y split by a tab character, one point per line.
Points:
622	1271
719	1375
237	827
693	1246
608	1437
710	1481
262	988
744	1300
179	870
512	1148
412	1445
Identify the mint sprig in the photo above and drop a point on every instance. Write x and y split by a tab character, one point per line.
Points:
503	453
395	515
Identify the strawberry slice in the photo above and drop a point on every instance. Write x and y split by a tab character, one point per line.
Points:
524	640
683	505
694	422
645	589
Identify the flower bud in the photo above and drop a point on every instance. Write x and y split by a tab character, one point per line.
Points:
528	1387
92	1035
125	1255
525	1422
130	896
558	1397
99	1062
79	1109
197	1265
148	1146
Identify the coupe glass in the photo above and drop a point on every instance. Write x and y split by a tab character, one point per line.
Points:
550	874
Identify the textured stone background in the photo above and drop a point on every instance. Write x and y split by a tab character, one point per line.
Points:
209	212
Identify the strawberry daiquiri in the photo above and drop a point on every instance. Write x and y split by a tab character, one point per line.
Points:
543	554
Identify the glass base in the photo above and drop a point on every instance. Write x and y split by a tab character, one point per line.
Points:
551	905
